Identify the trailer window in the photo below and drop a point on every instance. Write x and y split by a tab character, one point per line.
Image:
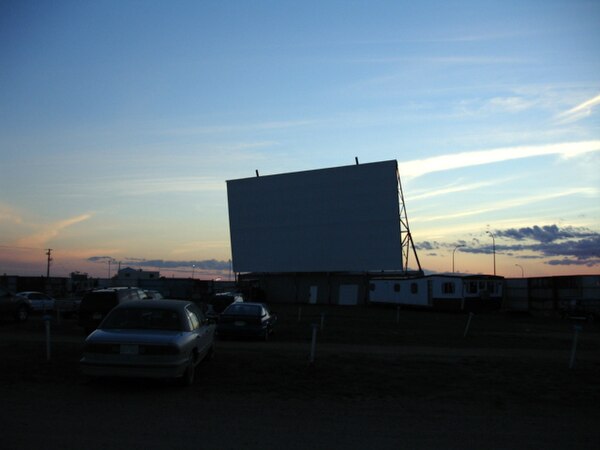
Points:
472	287
396	287
414	288
448	288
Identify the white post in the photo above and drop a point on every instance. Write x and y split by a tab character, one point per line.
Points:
468	324
47	325
577	329
313	344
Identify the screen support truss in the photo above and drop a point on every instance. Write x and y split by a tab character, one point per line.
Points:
408	246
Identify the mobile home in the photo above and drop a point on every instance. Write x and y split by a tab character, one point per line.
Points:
443	292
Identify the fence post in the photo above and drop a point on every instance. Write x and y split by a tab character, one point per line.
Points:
468	324
47	326
577	329
313	344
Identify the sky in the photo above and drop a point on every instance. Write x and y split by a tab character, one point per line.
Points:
121	121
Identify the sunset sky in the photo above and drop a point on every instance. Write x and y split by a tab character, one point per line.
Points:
120	122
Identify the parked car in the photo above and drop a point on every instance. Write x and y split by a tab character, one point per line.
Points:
68	307
95	305
14	306
39	301
149	339
222	300
246	320
153	294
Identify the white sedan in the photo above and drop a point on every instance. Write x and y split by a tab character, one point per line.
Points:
38	300
149	339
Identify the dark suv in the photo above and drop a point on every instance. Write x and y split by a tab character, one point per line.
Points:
95	305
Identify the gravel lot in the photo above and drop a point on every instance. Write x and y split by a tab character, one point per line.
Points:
381	379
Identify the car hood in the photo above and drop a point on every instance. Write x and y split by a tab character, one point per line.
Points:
137	336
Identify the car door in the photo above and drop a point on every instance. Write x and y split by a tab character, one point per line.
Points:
37	302
204	332
46	302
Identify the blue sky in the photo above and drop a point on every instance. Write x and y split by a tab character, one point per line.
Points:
121	121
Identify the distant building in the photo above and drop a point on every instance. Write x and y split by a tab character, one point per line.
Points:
132	277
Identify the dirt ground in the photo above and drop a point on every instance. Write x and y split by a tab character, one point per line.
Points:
381	379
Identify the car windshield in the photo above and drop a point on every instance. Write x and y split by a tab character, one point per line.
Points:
240	309
142	319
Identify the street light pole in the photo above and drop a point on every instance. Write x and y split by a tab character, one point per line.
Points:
522	271
493	248
453	251
193	270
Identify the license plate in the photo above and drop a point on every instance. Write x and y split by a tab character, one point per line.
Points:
128	349
97	316
240	323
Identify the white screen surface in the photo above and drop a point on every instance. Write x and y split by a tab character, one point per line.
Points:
328	220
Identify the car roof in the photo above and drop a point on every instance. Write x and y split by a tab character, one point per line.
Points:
244	305
174	305
250	303
116	288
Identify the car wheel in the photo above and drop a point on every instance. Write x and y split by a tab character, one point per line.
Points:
21	314
190	372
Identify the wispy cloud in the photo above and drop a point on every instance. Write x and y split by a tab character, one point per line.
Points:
50	231
8	214
455	188
416	168
234	128
513	203
580	111
205	264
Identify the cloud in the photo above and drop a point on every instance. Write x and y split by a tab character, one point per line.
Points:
580	111
454	188
545	234
419	167
235	128
508	204
567	245
9	215
206	264
50	231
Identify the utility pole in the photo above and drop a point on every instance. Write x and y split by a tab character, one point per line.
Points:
494	248
48	254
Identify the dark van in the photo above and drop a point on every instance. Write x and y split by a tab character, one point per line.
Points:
95	305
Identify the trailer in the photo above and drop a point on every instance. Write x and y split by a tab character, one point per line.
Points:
440	292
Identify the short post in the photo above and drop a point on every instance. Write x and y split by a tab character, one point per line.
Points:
577	329
322	320
313	344
57	307
468	324
47	326
398	314
299	313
